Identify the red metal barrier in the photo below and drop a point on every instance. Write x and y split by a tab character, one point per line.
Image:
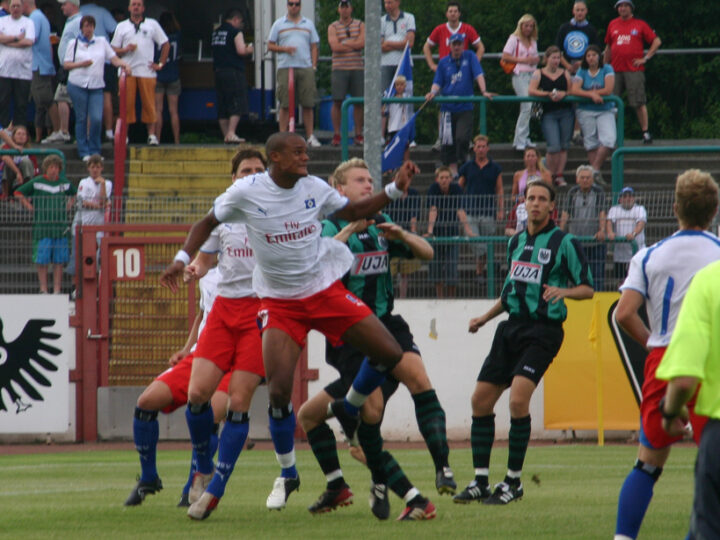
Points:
120	149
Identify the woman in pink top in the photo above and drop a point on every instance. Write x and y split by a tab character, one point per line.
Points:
534	169
521	48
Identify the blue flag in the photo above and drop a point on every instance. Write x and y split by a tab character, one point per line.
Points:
405	68
394	152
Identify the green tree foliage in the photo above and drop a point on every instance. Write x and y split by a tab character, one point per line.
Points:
683	90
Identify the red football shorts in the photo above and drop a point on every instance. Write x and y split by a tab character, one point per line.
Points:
653	391
231	338
331	312
177	378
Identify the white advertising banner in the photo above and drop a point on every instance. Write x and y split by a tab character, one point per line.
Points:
36	353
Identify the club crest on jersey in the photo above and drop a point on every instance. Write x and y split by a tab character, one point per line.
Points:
544	255
310	203
354	300
526	272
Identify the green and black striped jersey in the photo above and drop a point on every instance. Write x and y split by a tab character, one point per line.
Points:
551	257
369	277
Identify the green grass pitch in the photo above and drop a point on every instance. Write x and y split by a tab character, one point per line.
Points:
80	495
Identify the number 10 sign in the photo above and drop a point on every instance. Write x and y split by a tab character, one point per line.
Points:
127	263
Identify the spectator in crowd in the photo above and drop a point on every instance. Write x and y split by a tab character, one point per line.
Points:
446	212
168	78
574	37
229	50
17	169
397	115
625	39
405	211
440	37
534	170
295	39
597	119
71	30
553	82
4	8
48	198
346	38
626	220
521	49
397	29
85	62
105	25
43	71
135	40
17	36
584	215
94	194
454	76
481	180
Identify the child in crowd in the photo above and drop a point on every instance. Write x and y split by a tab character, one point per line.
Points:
49	197
17	169
398	114
93	198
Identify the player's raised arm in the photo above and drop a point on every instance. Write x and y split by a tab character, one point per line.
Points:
199	232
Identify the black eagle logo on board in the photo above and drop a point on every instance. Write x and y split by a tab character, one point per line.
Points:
22	362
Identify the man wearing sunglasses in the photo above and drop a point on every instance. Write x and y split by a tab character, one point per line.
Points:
295	39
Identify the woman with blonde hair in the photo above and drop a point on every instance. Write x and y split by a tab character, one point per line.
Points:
534	170
521	49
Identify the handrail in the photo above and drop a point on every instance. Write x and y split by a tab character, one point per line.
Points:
620	123
120	148
36	152
618	175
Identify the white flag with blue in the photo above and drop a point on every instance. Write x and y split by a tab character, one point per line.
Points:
394	152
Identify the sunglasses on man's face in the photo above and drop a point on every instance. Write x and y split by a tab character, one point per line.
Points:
293	4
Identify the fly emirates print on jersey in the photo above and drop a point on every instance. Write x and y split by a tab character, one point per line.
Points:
284	230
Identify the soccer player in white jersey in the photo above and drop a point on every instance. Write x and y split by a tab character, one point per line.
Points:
297	277
169	391
659	277
231	343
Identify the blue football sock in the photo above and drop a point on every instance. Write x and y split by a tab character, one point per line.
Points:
232	440
368	378
282	431
145	434
635	496
200	422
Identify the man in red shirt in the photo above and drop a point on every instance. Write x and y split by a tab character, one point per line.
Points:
440	36
625	39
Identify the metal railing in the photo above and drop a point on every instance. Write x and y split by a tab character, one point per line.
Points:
617	160
37	152
483	101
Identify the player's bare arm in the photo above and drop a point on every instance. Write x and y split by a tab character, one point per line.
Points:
199	232
420	247
477	322
580	292
626	314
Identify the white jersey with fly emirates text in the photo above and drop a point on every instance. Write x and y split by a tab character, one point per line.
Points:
236	261
293	260
662	274
208	293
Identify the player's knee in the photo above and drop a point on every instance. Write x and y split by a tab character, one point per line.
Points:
198	395
372	413
279	397
519	408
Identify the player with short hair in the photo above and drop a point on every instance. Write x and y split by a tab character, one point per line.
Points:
545	265
297	277
373	242
658	277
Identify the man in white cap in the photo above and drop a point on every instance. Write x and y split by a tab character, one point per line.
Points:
625	39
